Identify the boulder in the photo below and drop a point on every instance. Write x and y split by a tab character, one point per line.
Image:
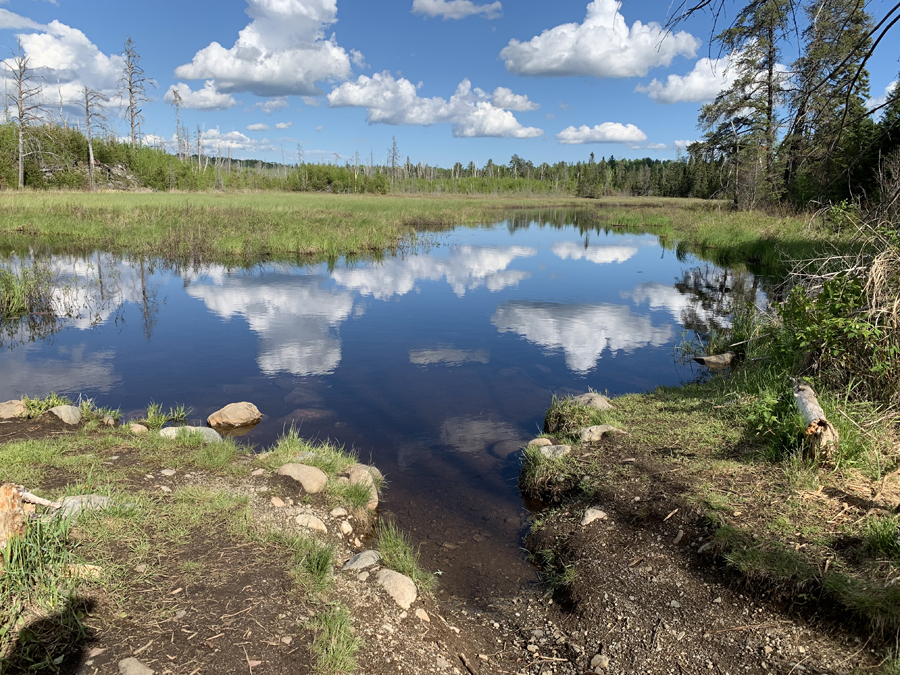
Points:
311	522
72	506
594	400
359	475
209	435
11	409
592	514
67	413
372	504
555	451
504	449
539	442
235	415
716	361
400	587
131	666
138	429
109	421
310	478
362	560
596	433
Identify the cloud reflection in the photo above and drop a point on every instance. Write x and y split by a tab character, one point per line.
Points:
582	332
70	369
570	250
447	356
465	269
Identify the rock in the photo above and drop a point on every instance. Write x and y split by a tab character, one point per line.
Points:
258	472
600	663
138	429
72	506
277	502
594	400
377	476
675	604
505	449
312	479
555	451
311	522
131	666
422	615
235	415
539	442
362	560
11	409
591	515
359	475
168	472
596	433
400	587
372	504
717	361
309	416
339	512
346	527
209	435
363	576
108	421
67	413
442	663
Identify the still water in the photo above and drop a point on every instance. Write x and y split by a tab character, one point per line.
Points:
435	364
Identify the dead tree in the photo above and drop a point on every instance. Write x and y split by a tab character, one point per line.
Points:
93	115
820	436
133	85
26	98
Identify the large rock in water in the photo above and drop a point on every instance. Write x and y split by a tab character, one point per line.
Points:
11	409
594	400
312	479
209	435
67	413
235	415
401	588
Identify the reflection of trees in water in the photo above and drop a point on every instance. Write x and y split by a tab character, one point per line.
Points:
715	293
82	292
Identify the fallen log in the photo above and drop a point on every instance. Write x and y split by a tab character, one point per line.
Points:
12	515
820	436
716	361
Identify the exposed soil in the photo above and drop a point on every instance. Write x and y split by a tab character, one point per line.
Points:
645	595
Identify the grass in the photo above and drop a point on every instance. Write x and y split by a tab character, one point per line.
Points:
34	407
313	560
398	554
156	418
336	643
25	290
566	417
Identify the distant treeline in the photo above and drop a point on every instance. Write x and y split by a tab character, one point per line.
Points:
57	158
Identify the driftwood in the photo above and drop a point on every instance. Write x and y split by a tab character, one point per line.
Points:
821	438
716	361
16	506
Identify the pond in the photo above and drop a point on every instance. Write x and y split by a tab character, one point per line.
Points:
436	363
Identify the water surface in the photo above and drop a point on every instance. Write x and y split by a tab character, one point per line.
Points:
436	364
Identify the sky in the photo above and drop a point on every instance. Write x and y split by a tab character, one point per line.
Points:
451	80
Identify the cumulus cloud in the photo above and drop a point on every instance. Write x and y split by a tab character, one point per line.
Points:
282	51
581	332
703	83
273	104
207	98
258	127
455	9
570	250
602	46
608	132
465	269
311	101
682	145
213	138
68	61
284	125
876	101
11	21
470	112
505	98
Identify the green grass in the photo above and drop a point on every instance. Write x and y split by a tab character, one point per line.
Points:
566	417
25	290
336	643
156	418
399	555
34	407
313	560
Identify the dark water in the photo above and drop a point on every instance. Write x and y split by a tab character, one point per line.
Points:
435	365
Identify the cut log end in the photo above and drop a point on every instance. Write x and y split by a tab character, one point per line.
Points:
12	515
820	437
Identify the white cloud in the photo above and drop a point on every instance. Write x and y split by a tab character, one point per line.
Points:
465	269
282	51
608	132
703	83
682	144
215	139
596	254
202	99
258	127
602	46
456	9
505	98
881	100
295	318
284	125
273	104
582	332
469	111
311	101
11	21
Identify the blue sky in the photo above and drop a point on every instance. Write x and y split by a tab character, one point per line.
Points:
453	80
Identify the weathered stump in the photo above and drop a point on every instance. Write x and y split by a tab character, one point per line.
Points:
820	436
12	515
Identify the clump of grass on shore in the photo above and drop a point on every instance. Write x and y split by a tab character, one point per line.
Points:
336	643
399	555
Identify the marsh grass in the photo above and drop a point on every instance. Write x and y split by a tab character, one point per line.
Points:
399	555
35	407
25	290
336	643
156	418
